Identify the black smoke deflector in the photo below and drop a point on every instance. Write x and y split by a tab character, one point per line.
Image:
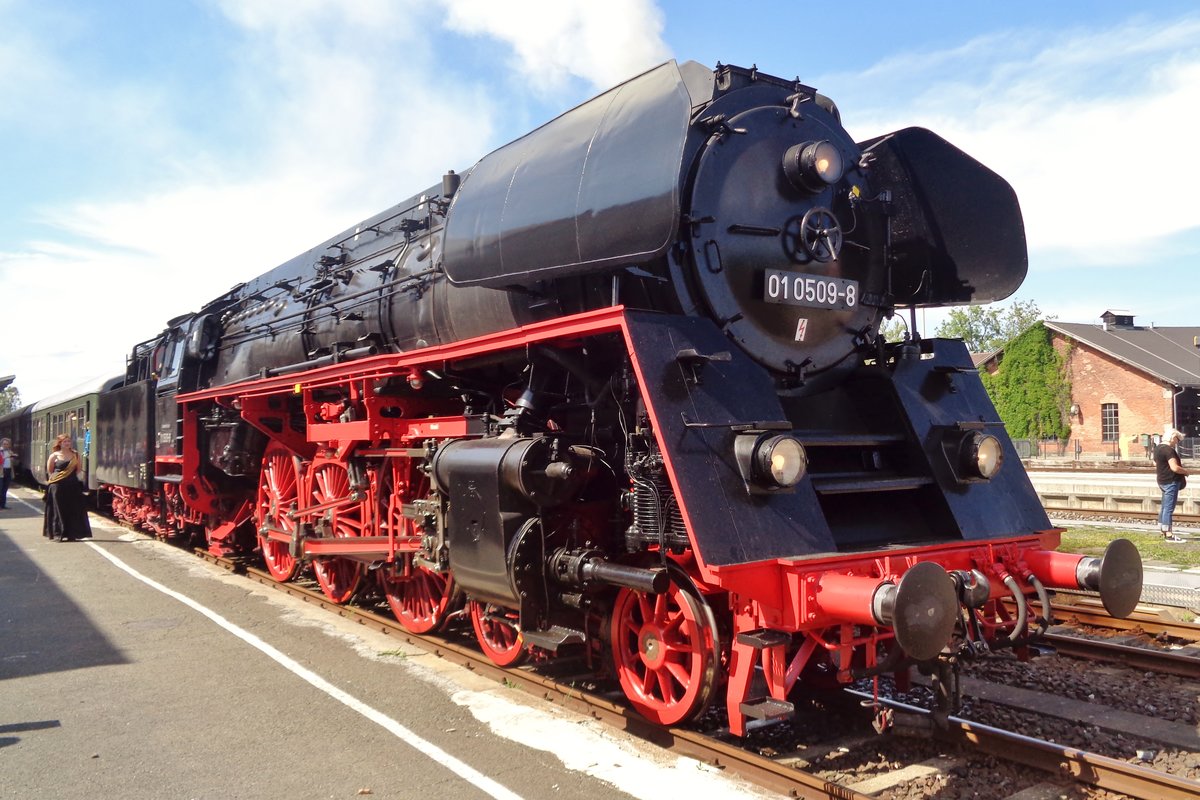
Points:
957	236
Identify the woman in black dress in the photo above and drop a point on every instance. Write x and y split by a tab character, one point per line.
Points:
66	512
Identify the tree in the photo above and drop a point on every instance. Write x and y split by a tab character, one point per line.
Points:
1031	387
894	329
988	328
10	400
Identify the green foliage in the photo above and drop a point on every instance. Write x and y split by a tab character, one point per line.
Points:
893	330
10	400
988	328
1031	388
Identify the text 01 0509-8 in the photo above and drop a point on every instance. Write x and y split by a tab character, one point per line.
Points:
814	291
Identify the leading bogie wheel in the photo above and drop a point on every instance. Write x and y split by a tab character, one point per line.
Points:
665	650
499	633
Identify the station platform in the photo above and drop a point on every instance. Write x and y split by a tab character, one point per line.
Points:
131	669
1096	492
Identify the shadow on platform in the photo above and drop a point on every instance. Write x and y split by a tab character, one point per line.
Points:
22	727
41	628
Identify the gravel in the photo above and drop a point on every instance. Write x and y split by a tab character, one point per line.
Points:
832	737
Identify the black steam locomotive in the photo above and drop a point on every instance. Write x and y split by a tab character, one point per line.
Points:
619	388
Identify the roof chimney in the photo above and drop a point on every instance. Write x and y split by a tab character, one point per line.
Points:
1117	318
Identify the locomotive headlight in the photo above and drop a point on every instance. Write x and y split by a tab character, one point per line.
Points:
812	166
783	459
770	462
981	455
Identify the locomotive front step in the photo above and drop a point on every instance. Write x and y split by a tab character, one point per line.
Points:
863	483
767	708
553	637
762	638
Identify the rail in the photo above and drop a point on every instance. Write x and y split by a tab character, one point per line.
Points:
1166	662
1095	770
1152	623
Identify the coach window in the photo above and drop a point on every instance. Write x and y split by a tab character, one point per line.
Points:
78	418
1110	430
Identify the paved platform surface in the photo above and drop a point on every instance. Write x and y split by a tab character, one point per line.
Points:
130	669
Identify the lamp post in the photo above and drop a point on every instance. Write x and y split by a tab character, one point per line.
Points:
1196	391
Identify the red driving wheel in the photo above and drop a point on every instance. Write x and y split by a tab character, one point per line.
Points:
339	576
278	489
418	596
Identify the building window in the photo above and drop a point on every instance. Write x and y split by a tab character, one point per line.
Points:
1110	431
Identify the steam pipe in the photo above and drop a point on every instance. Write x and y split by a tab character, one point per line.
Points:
652	581
1022	614
584	567
1044	599
323	361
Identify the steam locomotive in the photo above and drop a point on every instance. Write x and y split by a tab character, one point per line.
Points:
618	391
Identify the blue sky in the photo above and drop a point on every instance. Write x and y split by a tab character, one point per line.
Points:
156	152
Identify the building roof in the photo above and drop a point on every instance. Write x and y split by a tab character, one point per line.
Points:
979	359
1164	353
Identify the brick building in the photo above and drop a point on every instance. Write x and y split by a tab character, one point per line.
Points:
1127	382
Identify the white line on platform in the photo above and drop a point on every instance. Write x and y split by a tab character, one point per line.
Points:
423	746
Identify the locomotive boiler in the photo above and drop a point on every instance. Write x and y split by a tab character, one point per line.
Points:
618	390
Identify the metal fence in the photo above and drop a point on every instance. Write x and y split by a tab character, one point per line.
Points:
1072	450
1029	449
1178	596
1154	594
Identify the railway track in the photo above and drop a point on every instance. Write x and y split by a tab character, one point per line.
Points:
1185	664
1101	772
1118	515
1151	623
771	773
562	691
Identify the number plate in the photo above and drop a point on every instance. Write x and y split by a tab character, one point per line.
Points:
813	291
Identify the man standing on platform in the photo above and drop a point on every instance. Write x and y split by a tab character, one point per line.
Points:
1171	479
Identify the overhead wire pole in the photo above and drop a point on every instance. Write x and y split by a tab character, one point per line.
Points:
1196	393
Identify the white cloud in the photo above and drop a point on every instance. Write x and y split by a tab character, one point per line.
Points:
604	43
1091	129
305	18
325	135
317	113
